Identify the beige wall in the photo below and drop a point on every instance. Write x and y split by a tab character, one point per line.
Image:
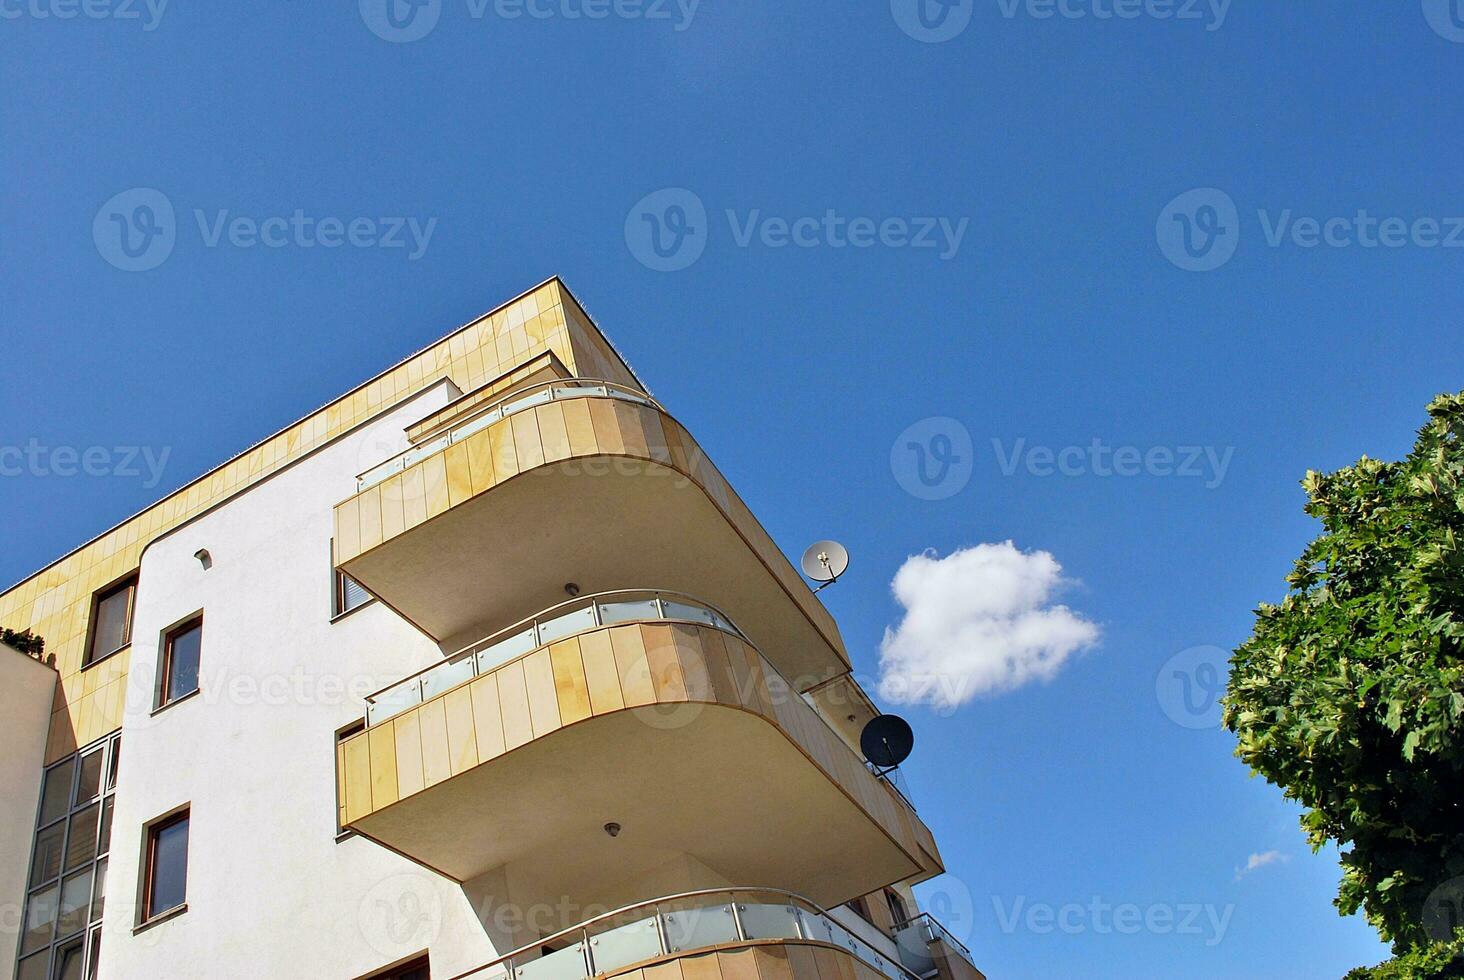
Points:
27	687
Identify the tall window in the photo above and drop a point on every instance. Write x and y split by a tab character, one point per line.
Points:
898	912
111	621
348	594
165	874
179	669
67	886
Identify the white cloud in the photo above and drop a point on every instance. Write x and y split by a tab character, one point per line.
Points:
1257	861
978	621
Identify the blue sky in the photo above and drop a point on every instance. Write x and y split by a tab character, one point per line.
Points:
1071	310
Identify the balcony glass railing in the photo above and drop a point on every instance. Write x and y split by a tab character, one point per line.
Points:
679	925
510	404
556	623
915	938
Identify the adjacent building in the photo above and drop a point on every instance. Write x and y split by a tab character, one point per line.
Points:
481	670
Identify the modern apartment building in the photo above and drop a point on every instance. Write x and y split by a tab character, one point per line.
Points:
481	670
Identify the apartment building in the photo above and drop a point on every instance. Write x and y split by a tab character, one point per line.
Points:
481	670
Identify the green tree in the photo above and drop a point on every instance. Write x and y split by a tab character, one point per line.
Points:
1349	695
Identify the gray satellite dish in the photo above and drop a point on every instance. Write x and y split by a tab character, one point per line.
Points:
825	561
886	741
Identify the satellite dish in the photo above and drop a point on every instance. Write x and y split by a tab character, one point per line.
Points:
825	561
886	741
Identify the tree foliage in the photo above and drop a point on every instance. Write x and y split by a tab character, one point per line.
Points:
1349	695
24	641
1437	961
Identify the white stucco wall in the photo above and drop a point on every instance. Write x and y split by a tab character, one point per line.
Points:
271	893
27	688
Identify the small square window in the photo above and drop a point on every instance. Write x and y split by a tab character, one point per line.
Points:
165	875
182	648
111	621
348	594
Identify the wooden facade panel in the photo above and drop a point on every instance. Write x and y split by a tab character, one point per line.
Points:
462	741
480	460
607	427
692	659
357	761
772	963
459	474
571	687
414	497
630	662
737	964
348	530
487	717
580	429
383	766
370	518
703	967
434	478
436	760
392	519
407	730
505	456
513	699
601	676
663	664
553	432
526	440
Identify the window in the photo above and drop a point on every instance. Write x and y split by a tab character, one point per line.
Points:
348	594
179	668
415	970
111	621
66	886
898	911
861	909
165	873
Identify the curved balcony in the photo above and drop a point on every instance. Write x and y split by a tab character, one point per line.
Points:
785	934
647	710
572	481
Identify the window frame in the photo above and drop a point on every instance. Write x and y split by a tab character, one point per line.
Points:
166	697
147	879
341	734
89	656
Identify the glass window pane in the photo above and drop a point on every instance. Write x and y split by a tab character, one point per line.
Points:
96	952
688	929
40	916
33	967
104	836
628	611
112	764
169	867
682	610
81	845
505	650
183	651
89	783
566	625
99	893
448	675
46	859
350	594
815	927
68	963
75	903
56	797
111	632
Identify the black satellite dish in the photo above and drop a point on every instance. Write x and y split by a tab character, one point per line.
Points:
886	741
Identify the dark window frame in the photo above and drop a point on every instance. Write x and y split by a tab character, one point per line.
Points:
89	656
147	880
166	696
